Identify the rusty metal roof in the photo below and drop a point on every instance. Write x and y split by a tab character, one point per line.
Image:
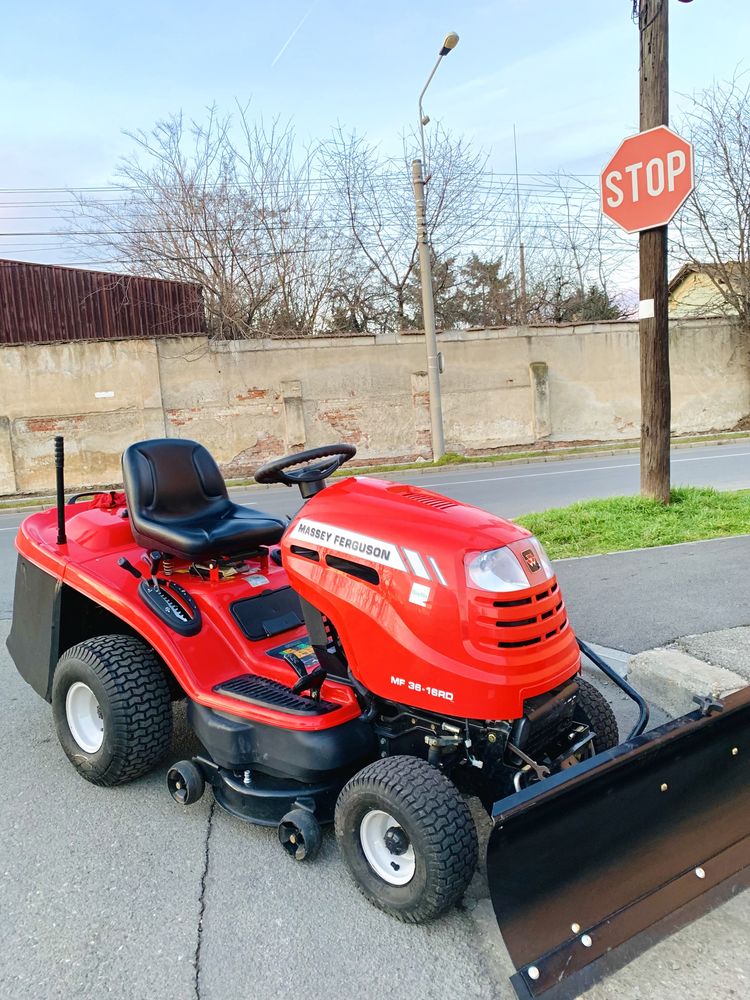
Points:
46	303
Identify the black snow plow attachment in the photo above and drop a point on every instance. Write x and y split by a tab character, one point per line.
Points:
591	866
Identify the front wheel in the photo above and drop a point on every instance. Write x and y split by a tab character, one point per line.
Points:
594	709
407	837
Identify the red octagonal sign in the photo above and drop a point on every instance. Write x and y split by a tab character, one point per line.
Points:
647	179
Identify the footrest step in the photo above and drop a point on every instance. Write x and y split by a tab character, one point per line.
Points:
263	691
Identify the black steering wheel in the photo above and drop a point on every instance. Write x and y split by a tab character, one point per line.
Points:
312	470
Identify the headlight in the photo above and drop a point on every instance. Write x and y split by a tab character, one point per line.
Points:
504	569
497	569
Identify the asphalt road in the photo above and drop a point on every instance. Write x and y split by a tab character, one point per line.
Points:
518	489
637	600
121	893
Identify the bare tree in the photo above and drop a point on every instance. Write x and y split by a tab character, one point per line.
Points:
376	206
290	242
375	213
237	215
576	255
714	226
305	255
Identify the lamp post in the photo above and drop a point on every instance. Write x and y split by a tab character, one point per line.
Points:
449	43
425	268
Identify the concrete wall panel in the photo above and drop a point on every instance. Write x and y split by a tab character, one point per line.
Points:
251	400
7	470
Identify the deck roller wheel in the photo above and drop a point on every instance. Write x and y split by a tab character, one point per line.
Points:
300	834
185	782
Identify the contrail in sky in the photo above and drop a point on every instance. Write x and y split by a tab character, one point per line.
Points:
283	48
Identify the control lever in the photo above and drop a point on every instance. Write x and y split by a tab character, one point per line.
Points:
312	682
296	664
171	603
127	565
153	560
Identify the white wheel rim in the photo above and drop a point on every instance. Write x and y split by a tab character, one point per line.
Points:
84	717
395	869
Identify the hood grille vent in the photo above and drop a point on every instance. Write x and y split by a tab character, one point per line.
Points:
428	499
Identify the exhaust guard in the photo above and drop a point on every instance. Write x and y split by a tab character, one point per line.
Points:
602	855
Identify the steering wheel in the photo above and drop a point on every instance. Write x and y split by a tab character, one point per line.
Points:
312	469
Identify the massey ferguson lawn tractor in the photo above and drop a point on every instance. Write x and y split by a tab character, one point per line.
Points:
372	663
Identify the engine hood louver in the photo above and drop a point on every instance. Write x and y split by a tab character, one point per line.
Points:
423	497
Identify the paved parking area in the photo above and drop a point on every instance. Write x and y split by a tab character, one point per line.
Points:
122	894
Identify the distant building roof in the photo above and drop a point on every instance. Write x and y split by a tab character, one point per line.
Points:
712	271
696	289
47	303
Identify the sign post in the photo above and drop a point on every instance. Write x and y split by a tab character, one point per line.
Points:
642	187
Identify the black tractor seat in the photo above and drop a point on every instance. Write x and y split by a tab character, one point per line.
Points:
178	503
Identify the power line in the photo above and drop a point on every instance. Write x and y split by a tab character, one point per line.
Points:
112	188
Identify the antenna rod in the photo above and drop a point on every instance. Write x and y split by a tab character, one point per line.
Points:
60	476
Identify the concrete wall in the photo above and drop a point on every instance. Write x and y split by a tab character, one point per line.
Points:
252	400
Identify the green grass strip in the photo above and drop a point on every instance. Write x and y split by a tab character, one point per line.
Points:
590	527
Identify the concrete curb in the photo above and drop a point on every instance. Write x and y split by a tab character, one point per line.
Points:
652	548
670	678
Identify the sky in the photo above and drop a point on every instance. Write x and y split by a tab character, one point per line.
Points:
76	75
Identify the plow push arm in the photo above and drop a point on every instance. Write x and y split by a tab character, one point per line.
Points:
622	684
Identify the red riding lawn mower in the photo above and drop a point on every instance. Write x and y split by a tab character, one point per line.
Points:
386	654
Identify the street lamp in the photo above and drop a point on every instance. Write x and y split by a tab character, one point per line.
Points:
449	43
425	270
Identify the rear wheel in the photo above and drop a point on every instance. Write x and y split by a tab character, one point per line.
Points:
594	709
112	709
407	837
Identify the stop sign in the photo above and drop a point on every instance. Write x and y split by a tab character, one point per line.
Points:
647	179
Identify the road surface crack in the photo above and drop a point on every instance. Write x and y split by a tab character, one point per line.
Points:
202	902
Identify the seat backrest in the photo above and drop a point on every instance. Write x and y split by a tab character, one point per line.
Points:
171	478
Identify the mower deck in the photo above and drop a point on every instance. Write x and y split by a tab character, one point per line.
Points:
264	801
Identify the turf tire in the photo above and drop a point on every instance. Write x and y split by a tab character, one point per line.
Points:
439	826
594	709
133	695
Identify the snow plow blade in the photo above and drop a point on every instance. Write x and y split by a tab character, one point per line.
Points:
591	866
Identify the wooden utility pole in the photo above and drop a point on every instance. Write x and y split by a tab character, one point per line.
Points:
654	307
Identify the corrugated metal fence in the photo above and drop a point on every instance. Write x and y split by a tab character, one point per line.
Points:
42	304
